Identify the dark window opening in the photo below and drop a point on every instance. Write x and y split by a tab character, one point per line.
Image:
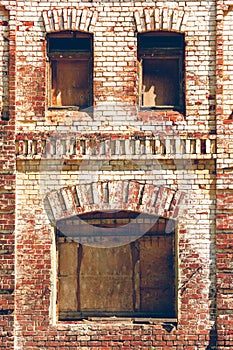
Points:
133	277
161	70
70	80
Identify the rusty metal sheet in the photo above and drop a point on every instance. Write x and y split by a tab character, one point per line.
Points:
106	279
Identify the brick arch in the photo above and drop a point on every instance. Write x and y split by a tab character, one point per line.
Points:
158	18
70	19
114	195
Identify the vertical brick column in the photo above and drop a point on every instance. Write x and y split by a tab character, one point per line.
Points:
224	193
7	204
224	234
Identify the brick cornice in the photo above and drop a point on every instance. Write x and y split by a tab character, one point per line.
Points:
158	18
81	19
116	146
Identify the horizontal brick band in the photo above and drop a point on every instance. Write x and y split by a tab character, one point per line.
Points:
75	146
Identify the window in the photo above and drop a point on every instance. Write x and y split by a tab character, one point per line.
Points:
134	277
70	73
161	70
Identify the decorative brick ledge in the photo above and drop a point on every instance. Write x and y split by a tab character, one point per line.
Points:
160	19
70	19
116	147
115	195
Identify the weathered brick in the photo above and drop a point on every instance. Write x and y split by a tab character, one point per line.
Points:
116	157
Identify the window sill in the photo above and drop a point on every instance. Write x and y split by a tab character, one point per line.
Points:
66	108
132	320
73	316
164	322
162	108
168	107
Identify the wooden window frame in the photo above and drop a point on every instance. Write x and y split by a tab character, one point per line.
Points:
162	53
71	56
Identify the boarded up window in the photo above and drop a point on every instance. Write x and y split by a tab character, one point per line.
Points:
131	280
161	70
70	59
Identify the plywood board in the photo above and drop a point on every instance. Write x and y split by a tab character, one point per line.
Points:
68	286
106	279
67	279
68	259
70	83
157	274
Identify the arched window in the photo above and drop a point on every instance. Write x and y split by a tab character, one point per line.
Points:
161	70
70	69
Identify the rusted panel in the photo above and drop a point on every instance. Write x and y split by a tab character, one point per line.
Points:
157	274
68	257
106	279
137	277
137	286
68	286
70	83
68	283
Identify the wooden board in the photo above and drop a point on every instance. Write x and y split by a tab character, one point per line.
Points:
137	277
70	83
157	290
106	279
68	283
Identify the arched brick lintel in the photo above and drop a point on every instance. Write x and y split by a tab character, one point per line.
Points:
115	195
56	20
157	18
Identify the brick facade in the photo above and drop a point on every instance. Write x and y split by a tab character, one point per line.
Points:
58	163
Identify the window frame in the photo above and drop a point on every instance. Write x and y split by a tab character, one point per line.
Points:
162	52
56	56
77	315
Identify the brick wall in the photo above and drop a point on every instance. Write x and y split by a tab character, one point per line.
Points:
7	177
223	170
116	143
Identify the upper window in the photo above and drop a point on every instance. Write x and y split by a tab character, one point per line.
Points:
70	73
126	269
161	75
